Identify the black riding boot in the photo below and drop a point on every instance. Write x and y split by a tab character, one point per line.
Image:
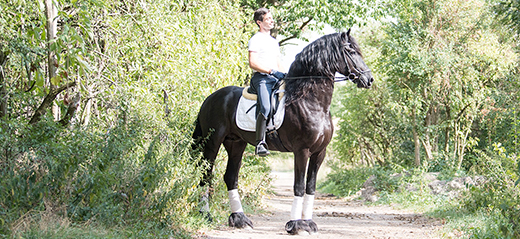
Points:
261	145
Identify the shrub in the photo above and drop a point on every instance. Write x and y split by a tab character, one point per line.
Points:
499	196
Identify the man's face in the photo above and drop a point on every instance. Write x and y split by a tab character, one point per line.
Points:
268	22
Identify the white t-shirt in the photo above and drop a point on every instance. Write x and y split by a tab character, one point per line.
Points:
267	48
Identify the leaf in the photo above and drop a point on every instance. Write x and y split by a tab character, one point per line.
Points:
39	78
56	80
84	65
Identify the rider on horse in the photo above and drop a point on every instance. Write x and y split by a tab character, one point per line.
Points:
264	59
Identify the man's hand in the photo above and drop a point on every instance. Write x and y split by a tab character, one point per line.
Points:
277	74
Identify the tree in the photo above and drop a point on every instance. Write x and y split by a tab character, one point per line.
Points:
439	60
293	17
122	156
444	60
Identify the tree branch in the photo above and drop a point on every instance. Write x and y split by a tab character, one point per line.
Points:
48	102
73	106
462	111
296	35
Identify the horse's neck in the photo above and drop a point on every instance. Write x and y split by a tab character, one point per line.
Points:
318	99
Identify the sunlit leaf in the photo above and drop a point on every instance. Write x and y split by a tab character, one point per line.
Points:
56	80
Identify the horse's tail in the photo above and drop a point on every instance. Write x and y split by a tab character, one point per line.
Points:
197	146
197	136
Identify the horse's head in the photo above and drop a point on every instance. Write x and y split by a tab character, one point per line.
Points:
355	67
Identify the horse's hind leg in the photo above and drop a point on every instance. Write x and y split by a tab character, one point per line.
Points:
235	150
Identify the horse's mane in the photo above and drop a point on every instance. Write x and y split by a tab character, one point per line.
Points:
323	57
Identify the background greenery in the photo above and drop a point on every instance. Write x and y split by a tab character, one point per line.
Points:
119	163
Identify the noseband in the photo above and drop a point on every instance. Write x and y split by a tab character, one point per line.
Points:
354	72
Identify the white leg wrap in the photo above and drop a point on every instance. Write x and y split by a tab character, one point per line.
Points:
308	203
234	201
296	211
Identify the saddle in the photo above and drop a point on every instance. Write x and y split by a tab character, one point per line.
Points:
278	91
246	113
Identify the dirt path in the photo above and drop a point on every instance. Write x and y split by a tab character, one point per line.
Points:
336	218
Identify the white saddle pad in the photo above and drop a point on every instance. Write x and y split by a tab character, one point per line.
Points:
247	121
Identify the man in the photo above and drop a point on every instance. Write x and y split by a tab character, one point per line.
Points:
264	59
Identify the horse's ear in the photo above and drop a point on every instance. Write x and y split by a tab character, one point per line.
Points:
344	37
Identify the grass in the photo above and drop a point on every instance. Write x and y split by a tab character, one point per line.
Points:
50	226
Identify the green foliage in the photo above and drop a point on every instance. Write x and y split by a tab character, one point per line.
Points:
434	81
125	179
508	12
498	196
292	21
142	70
347	182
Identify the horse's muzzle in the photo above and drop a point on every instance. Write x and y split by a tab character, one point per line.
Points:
364	80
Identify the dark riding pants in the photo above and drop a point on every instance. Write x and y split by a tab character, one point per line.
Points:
262	85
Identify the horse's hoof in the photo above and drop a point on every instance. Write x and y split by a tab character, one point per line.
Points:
294	227
239	220
312	225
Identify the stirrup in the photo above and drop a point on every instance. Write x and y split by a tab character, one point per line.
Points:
261	149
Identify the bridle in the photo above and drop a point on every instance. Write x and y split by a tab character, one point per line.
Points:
354	72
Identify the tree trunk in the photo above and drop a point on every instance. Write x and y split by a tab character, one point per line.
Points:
73	106
429	121
417	143
166	108
52	27
49	99
3	90
371	153
85	117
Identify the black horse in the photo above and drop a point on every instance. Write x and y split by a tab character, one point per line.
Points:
306	130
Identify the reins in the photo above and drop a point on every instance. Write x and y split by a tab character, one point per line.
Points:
336	78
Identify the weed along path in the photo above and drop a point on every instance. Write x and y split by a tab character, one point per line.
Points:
336	218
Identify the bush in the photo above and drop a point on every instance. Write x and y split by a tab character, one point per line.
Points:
499	196
124	161
348	182
130	172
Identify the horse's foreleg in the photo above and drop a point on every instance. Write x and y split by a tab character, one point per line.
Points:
235	149
310	189
296	223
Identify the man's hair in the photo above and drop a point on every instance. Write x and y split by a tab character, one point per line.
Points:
259	14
